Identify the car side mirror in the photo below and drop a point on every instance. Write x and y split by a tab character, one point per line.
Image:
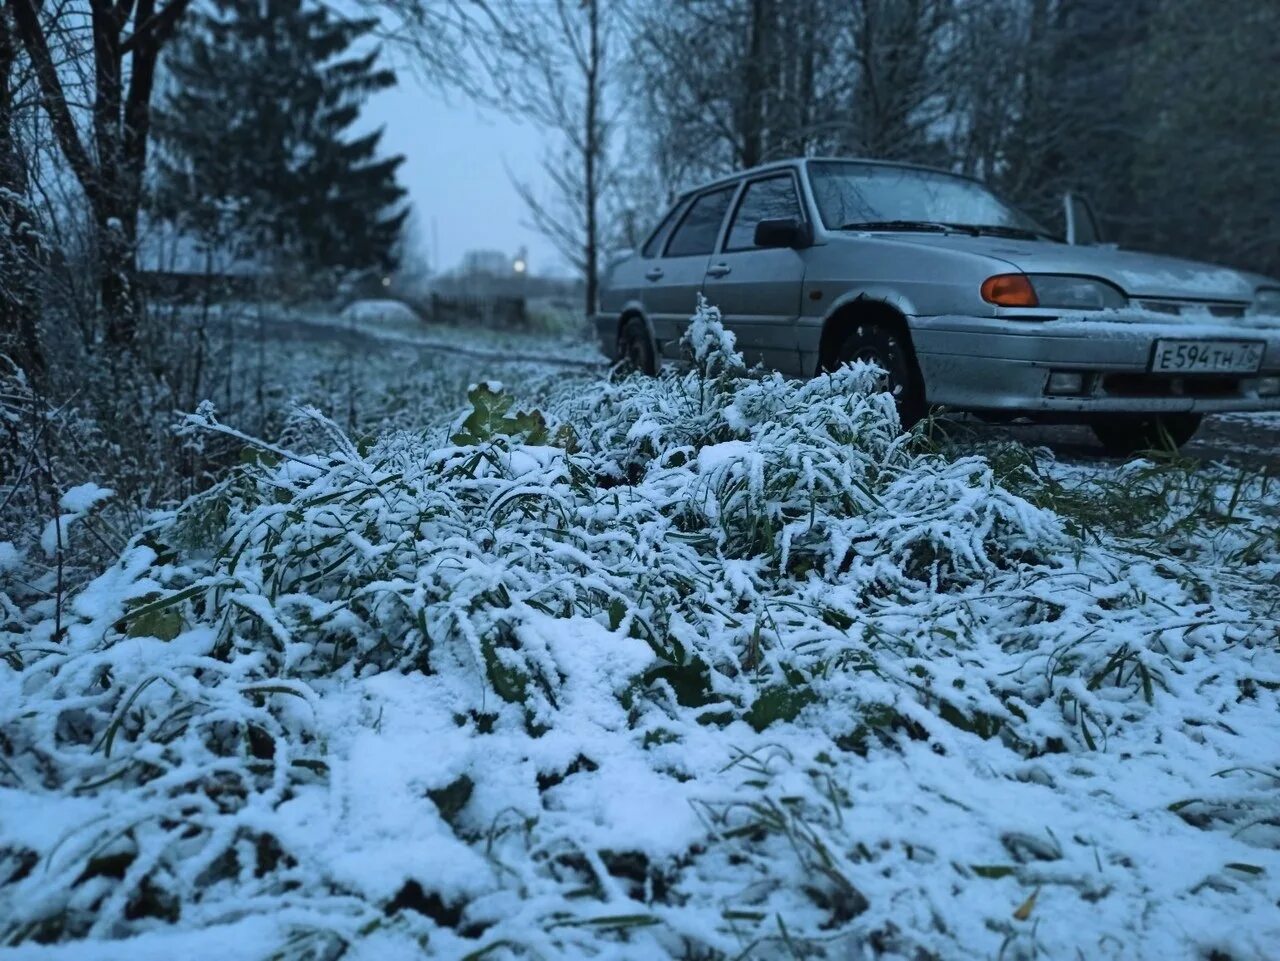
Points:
783	233
1082	223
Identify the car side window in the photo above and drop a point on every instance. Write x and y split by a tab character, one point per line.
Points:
663	231
772	199
698	231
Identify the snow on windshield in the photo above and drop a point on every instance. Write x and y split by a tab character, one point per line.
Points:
855	193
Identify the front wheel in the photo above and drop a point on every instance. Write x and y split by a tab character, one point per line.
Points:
1124	435
885	347
635	348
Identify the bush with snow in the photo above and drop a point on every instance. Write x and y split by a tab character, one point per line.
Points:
711	665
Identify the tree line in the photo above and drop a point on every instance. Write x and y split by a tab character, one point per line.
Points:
1155	109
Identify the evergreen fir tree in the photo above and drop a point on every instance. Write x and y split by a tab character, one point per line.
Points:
256	153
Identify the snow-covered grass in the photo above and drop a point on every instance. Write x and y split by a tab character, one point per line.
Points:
258	363
713	665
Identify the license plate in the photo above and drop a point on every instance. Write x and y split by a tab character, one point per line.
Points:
1207	356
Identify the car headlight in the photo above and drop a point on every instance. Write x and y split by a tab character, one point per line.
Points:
1076	293
1051	290
1266	301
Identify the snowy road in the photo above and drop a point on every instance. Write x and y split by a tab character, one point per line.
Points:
1246	439
504	347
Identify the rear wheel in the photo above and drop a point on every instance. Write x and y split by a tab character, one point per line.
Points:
1122	435
635	347
887	348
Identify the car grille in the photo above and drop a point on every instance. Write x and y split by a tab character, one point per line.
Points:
1180	307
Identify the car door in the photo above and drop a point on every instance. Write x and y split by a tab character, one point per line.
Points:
675	280
630	281
757	289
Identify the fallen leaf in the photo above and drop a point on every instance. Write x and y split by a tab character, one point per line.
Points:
1024	911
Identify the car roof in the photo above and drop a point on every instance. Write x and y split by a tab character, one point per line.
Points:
789	163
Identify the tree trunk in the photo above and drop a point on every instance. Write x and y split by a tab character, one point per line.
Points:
115	206
20	247
117	274
590	187
752	105
111	174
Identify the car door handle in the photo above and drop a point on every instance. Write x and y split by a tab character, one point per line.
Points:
654	273
719	270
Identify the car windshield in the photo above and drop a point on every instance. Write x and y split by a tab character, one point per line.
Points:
851	194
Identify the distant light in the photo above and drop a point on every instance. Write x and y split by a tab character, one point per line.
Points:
519	266
386	281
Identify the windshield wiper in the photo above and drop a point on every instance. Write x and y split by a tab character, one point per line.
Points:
1004	230
908	225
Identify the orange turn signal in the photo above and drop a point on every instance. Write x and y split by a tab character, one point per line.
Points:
1009	290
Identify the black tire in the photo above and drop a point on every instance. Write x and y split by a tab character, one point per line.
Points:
888	348
1124	435
635	348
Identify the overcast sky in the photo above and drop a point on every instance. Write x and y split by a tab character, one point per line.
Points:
456	170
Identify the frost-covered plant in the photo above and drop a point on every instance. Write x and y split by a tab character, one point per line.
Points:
648	669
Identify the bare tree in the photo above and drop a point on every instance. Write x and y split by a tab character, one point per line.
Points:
734	83
550	63
710	74
554	63
109	159
901	66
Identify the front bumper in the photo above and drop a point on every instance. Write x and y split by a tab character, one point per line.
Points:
992	364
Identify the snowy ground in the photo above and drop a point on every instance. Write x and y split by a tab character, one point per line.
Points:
1250	439
709	666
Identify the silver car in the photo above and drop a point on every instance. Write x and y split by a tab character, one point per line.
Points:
964	301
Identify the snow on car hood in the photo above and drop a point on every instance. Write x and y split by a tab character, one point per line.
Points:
1137	274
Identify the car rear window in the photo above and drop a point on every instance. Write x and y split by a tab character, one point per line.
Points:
698	231
771	199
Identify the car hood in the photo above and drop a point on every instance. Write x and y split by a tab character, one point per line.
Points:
1137	274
